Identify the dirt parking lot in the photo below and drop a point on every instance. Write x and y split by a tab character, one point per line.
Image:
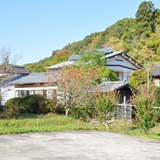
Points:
77	145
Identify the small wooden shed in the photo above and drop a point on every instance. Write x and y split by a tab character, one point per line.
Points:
124	109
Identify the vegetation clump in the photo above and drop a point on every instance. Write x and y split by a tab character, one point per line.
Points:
146	114
36	104
139	37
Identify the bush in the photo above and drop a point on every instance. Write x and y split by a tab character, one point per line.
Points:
157	91
1	108
12	108
146	114
36	104
59	109
31	104
82	112
139	77
47	106
105	105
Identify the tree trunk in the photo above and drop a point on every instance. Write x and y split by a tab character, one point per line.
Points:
67	111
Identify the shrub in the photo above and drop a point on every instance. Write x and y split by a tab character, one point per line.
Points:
157	91
47	106
139	77
59	109
12	108
82	112
1	108
105	105
146	114
31	104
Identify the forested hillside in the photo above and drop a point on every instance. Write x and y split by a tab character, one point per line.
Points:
139	37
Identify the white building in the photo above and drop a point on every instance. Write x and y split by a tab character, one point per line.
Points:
155	72
7	90
122	64
39	83
36	83
118	61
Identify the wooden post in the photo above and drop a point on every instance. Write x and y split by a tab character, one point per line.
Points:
125	113
148	78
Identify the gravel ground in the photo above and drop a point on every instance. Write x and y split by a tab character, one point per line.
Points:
77	145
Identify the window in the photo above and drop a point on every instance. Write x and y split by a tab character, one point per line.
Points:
128	76
120	76
39	92
21	93
52	94
119	60
27	93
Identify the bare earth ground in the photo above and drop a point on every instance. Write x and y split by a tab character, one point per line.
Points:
77	145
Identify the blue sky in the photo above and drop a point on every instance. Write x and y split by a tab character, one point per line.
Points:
34	28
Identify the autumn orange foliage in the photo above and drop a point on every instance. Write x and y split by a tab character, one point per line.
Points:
74	84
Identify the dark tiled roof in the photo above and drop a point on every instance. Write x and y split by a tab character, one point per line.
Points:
113	86
35	78
16	70
74	57
20	70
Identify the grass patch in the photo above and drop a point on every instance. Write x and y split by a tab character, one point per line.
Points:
44	123
129	128
51	122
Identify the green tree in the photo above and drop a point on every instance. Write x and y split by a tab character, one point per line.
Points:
73	86
95	60
139	78
116	43
105	105
139	37
146	114
145	15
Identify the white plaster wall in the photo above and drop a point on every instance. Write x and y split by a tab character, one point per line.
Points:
7	93
126	71
36	89
124	62
157	82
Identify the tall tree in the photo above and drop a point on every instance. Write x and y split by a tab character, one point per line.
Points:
95	60
73	86
145	15
7	64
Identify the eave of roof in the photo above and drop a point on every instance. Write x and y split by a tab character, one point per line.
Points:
36	78
127	57
113	86
60	65
110	55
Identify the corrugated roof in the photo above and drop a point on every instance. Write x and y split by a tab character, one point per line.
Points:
60	65
37	78
112	86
